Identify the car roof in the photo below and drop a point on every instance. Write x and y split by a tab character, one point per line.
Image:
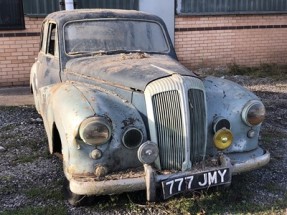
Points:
61	17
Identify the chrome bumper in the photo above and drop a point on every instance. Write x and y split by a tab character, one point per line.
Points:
150	179
251	164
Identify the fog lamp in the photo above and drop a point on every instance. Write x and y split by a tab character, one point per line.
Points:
222	139
148	152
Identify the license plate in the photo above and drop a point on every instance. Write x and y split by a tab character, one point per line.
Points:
195	181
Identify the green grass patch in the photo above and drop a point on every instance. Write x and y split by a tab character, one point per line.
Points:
10	188
8	127
274	71
6	178
47	210
26	159
237	199
268	136
272	187
32	143
44	193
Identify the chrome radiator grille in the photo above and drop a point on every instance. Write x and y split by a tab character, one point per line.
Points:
168	121
176	110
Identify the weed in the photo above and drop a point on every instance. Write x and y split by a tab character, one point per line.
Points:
32	143
11	188
39	192
28	210
274	71
7	127
272	187
26	158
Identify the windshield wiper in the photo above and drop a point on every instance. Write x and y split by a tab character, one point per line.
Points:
78	53
118	51
102	52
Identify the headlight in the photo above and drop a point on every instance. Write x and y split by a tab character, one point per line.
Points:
95	130
253	113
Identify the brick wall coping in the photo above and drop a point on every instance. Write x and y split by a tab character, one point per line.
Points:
216	28
20	34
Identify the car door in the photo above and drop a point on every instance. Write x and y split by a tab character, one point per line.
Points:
48	62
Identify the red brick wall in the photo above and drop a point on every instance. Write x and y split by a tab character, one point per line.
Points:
199	42
18	50
248	40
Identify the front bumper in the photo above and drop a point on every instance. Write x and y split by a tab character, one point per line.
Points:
150	179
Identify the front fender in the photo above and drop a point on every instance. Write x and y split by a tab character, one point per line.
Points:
227	99
65	106
123	116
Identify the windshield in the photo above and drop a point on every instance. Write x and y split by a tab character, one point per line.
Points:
105	36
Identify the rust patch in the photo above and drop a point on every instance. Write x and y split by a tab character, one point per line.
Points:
55	88
128	122
134	56
129	173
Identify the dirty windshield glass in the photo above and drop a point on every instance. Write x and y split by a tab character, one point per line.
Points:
114	35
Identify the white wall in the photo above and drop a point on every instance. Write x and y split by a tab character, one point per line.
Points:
162	8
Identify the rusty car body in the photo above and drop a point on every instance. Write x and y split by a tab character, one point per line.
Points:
127	116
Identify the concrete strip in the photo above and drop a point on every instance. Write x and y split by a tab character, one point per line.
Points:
16	96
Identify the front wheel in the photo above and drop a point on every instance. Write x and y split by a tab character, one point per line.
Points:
74	199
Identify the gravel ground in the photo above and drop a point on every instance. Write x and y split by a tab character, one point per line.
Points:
31	179
270	184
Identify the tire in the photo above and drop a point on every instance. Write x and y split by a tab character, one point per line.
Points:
73	199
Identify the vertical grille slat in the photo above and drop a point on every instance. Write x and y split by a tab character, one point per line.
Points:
197	124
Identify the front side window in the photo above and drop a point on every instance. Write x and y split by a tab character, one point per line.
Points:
114	35
52	40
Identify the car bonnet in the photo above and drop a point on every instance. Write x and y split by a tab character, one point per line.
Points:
134	70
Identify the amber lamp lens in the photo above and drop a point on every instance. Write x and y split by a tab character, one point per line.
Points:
222	139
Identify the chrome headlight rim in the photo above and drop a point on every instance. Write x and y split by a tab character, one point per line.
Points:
101	123
220	122
246	110
148	152
126	133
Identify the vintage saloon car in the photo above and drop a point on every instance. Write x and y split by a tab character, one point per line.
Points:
125	115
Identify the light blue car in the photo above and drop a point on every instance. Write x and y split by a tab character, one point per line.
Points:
125	115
